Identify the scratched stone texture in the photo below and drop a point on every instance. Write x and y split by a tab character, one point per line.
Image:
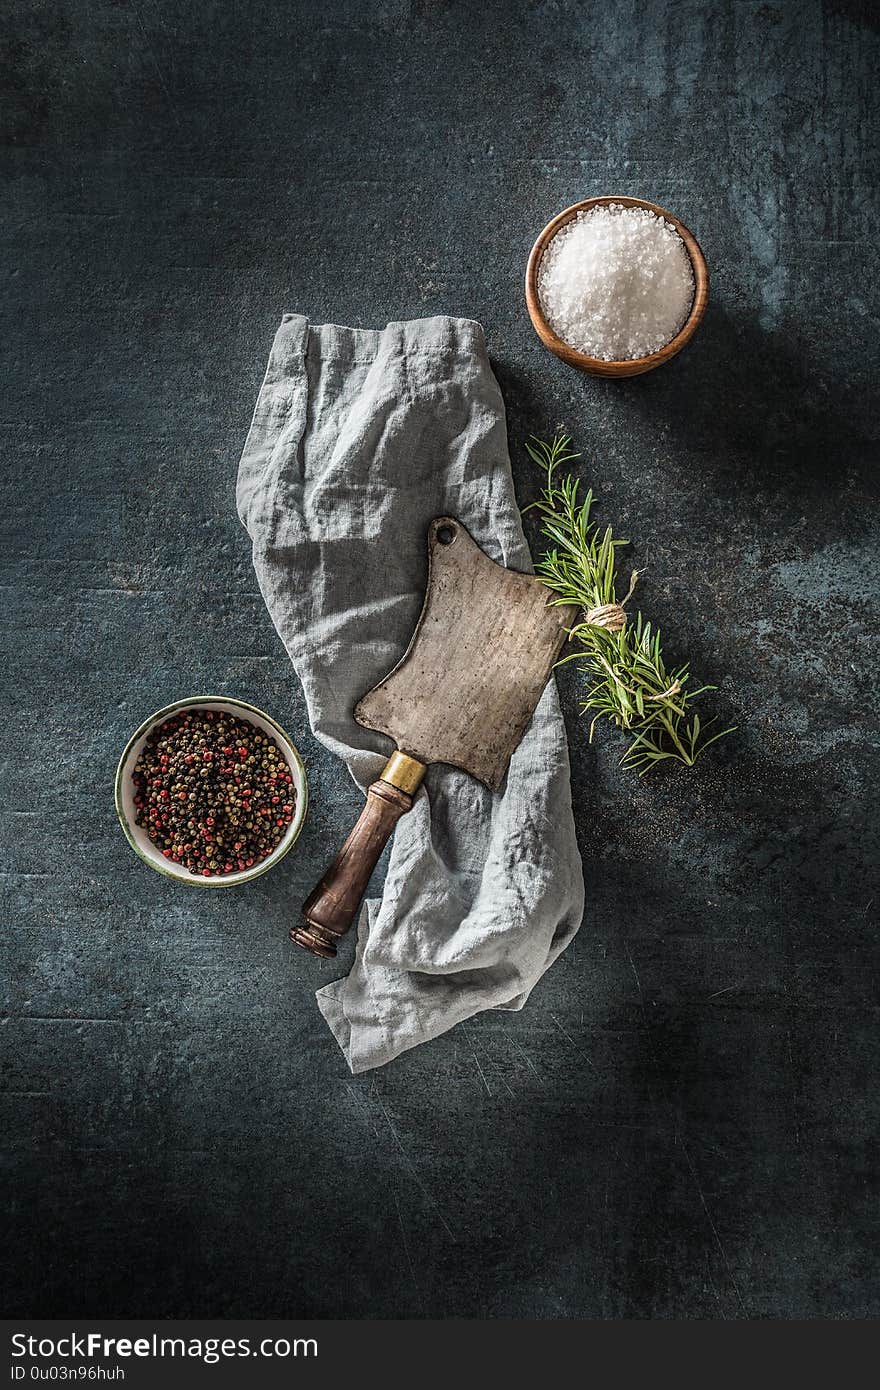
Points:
683	1122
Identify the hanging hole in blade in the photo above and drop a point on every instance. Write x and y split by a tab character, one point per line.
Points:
446	534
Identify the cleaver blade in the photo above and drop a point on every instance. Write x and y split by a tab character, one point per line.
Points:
481	654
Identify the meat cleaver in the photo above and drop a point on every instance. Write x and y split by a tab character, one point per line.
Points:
463	693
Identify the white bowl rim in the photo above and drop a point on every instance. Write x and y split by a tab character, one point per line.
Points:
214	880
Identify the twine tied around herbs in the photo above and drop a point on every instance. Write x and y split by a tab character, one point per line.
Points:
609	615
612	617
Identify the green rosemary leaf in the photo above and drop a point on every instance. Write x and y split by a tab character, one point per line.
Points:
631	686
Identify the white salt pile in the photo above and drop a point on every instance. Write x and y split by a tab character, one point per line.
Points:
616	282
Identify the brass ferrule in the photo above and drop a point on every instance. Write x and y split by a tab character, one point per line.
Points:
403	772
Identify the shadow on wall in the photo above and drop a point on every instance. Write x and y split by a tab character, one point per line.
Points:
752	395
754	409
865	12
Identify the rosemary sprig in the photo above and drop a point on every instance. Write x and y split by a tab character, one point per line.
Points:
630	684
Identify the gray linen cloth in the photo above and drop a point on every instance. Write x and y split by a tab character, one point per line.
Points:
358	439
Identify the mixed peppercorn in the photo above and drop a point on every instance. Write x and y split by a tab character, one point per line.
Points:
214	793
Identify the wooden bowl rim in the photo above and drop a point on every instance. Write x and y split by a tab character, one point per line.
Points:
625	366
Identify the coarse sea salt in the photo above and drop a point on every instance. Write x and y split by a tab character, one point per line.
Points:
616	282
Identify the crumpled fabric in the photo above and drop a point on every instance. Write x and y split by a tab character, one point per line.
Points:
358	440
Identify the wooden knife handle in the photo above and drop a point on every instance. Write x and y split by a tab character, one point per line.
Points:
330	910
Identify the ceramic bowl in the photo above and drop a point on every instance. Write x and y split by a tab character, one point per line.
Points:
633	366
124	791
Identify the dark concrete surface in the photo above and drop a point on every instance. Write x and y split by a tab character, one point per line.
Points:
682	1123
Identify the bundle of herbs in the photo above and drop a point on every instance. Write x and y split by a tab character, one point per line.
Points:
622	657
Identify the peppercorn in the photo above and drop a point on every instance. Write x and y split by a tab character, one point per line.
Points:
189	807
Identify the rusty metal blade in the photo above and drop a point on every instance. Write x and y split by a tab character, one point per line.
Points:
481	654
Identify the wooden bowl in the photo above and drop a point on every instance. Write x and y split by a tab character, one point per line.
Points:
633	366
